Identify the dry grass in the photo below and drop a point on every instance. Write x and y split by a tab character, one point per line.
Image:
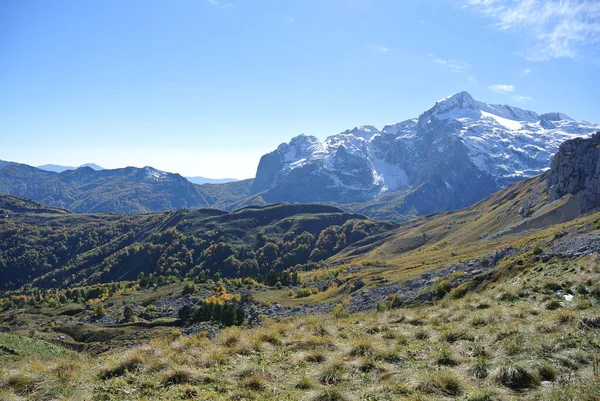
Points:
482	346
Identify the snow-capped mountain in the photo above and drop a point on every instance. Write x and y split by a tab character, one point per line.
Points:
453	155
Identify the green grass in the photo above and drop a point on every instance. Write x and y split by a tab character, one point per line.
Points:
14	347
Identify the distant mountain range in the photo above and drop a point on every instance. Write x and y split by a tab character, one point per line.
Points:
204	180
196	180
456	153
453	155
85	190
59	169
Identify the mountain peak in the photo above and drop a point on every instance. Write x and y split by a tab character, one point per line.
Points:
362	131
459	97
459	105
461	100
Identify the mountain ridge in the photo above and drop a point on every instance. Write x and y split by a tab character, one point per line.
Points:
454	154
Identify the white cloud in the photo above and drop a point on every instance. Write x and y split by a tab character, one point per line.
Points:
502	88
556	28
521	99
454	65
525	71
379	48
289	19
219	3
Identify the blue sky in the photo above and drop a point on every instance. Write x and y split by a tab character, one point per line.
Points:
205	87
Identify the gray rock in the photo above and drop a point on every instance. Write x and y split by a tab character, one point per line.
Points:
575	168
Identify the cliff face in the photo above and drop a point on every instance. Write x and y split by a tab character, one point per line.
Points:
575	168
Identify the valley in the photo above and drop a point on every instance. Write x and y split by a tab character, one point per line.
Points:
497	301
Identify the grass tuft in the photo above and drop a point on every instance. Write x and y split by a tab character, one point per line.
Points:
515	376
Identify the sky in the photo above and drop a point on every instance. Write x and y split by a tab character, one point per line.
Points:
206	87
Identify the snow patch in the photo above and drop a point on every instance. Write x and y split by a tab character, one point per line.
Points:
505	122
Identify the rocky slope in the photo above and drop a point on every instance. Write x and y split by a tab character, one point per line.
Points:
575	168
453	155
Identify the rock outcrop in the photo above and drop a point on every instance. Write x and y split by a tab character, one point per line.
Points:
575	168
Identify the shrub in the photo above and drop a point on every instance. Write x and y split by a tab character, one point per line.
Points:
128	314
306	292
189	288
440	288
340	311
99	311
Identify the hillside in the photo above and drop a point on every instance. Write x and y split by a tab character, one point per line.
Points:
85	190
65	249
498	301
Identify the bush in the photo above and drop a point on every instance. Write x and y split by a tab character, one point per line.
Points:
99	311
306	292
340	311
128	314
189	288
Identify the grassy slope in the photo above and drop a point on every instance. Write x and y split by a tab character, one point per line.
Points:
435	241
500	343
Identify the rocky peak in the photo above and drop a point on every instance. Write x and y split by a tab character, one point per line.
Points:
458	101
459	105
300	146
575	168
554	117
362	131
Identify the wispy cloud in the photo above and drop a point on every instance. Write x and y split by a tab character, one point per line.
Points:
289	19
454	65
502	88
218	3
525	72
522	99
556	28
379	48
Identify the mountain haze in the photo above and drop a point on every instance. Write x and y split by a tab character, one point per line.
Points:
59	169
